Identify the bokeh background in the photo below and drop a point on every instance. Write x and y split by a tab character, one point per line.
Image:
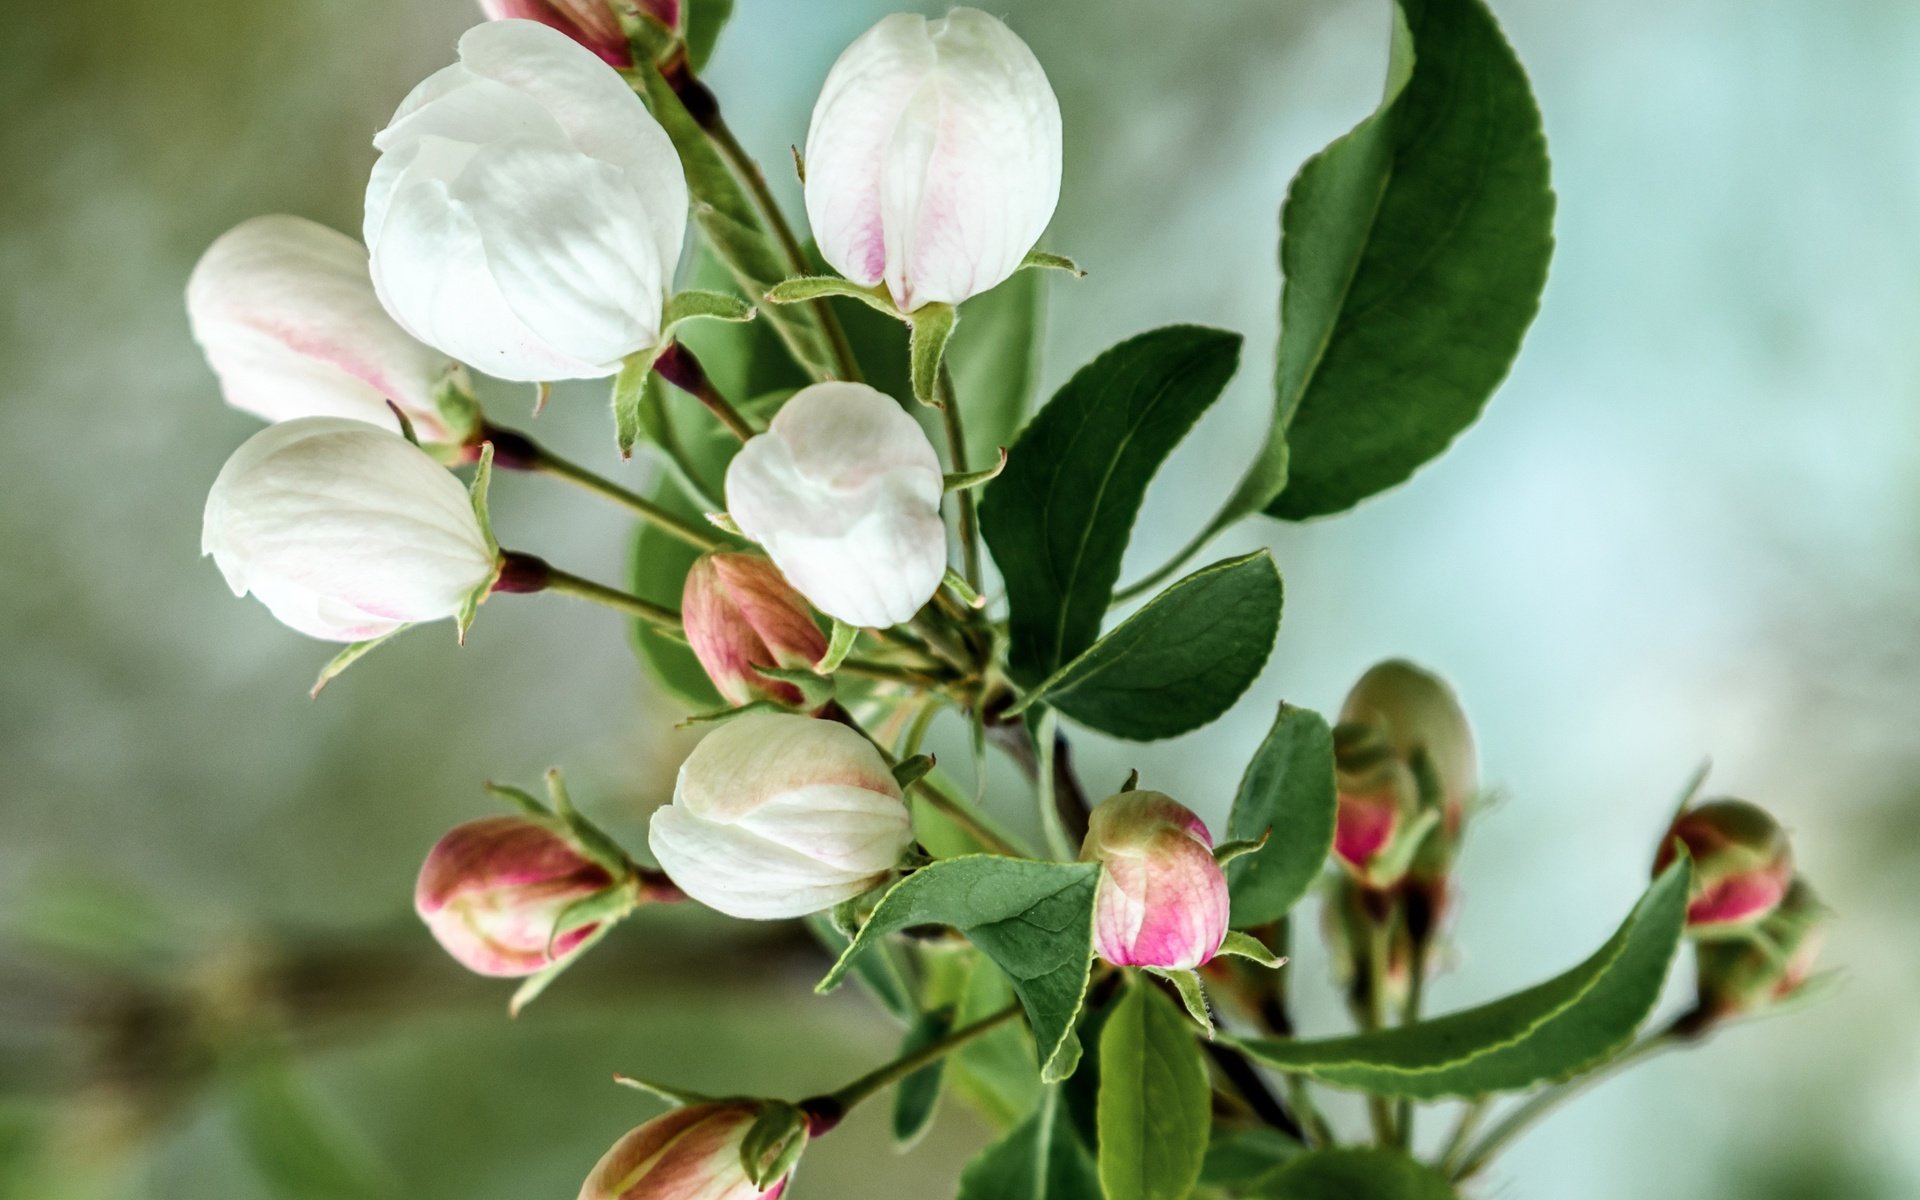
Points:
1686	527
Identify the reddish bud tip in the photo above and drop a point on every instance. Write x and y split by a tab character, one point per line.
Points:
1742	863
493	891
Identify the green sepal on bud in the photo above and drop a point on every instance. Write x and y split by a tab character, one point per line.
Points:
678	1097
477	493
840	640
1244	945
963	480
1040	260
1226	852
932	328
1768	967
910	771
352	654
773	1143
454	400
629	384
1193	996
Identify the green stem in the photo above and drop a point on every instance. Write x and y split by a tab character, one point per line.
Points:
957	457
528	573
755	182
1471	1116
961	813
828	1110
1373	1016
1541	1103
1409	1014
863	669
1167	568
548	463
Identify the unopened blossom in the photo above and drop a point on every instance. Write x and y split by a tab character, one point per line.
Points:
1746	974
1162	899
286	313
1424	727
740	613
690	1153
933	157
1378	803
843	492
345	531
493	891
1742	863
589	22
778	816
526	212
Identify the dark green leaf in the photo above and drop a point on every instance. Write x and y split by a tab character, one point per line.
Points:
1551	1031
704	20
1058	519
1415	249
1154	1099
1041	1159
1035	919
1288	788
916	1096
1241	1156
1179	662
1355	1174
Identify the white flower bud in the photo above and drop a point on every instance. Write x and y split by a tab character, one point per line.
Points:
344	531
779	816
933	159
285	312
843	491
526	212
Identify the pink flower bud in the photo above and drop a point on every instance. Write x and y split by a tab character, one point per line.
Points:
492	891
1742	864
1378	802
1741	975
740	613
589	22
1417	716
1162	899
690	1153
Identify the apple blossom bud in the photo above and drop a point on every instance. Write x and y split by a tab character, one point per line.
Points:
740	613
1746	974
285	311
690	1153
933	157
1425	728
526	212
843	491
777	816
1162	899
1742	864
493	891
345	531
589	22
1378	801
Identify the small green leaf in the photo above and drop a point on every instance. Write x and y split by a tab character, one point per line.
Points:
1154	1109
351	655
1042	1159
1193	996
1035	919
1058	519
703	21
1551	1031
1287	789
840	640
916	1097
932	325
1351	1174
1041	260
1245	945
1179	662
1415	249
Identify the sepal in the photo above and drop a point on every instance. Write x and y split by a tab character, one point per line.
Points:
1193	997
839	645
678	1097
1247	946
530	990
773	1143
1226	852
351	655
932	326
962	480
1042	261
804	288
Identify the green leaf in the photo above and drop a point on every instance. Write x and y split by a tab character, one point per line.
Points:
300	1147
932	325
1352	1174
1042	1159
1155	1106
879	972
1551	1031
995	1072
1288	788
1180	661
731	224
917	1096
1415	249
1035	919
703	19
1238	1157
1058	519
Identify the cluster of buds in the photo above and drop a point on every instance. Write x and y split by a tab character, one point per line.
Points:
1769	966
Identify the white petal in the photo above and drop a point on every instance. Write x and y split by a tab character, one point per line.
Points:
750	760
286	313
742	874
851	829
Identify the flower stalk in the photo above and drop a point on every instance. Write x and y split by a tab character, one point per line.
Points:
826	1111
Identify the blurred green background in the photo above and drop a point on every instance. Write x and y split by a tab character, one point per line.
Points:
1686	526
